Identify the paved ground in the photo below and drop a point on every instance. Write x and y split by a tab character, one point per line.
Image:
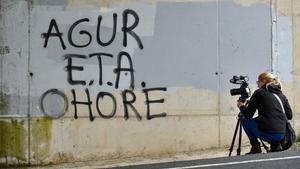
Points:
204	154
214	158
282	160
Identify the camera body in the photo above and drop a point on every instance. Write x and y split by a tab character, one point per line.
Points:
244	90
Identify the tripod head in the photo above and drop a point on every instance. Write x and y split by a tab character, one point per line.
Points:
246	101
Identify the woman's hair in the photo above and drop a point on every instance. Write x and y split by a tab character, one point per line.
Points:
269	79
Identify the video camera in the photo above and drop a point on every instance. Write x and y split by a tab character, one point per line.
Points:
244	90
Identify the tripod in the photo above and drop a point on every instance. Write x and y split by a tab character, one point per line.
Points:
239	126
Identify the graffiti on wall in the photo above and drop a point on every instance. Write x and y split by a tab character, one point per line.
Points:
4	50
128	96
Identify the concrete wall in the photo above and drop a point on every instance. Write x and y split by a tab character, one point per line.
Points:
92	80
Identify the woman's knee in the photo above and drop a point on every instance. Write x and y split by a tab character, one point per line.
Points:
247	121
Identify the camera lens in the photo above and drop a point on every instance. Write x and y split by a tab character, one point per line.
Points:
234	92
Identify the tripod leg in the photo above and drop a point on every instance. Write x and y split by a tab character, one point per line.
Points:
266	147
234	136
238	151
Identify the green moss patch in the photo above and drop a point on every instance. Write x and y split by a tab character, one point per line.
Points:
41	138
13	140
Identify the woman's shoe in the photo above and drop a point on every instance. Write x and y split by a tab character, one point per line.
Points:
255	149
275	147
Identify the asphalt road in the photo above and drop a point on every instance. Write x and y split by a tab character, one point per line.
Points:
281	160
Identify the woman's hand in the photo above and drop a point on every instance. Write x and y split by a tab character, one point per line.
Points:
239	104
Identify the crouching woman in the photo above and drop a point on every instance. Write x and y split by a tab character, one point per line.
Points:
270	123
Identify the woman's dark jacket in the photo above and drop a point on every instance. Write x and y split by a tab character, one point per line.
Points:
271	118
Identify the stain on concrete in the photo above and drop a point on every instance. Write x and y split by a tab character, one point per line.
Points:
4	104
62	157
41	134
13	140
